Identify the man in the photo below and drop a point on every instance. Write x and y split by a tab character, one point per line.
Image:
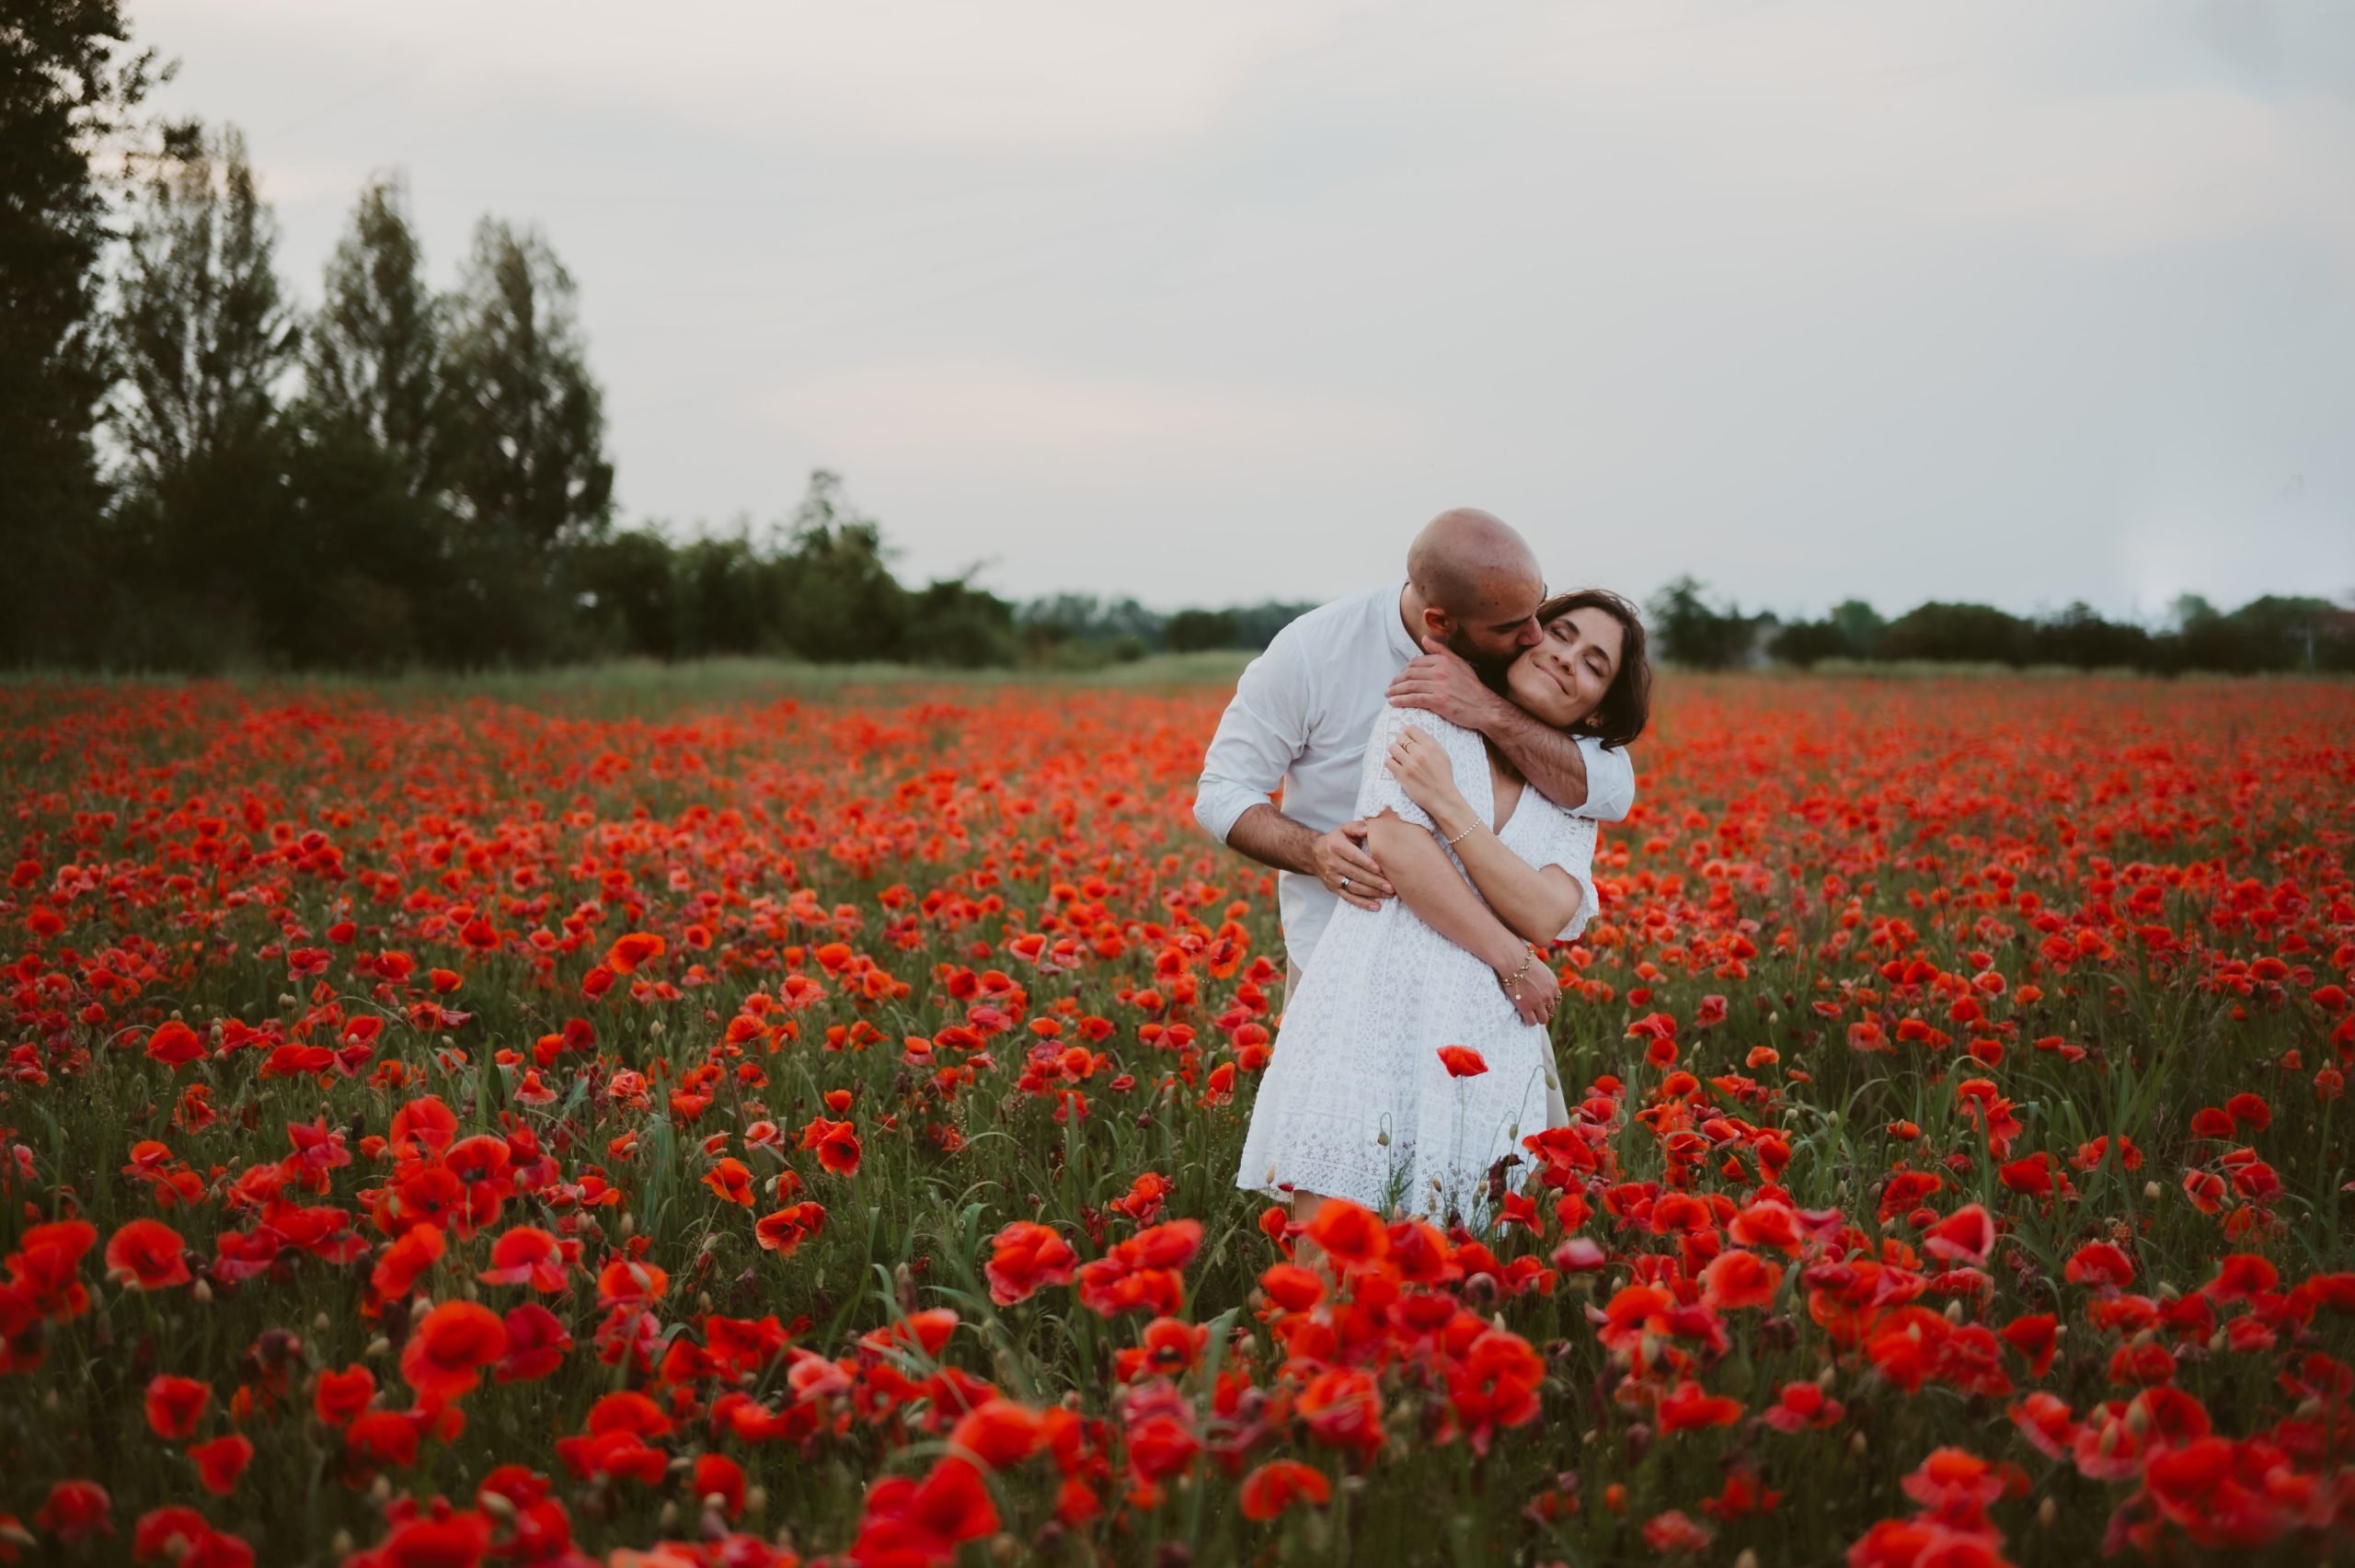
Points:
1304	709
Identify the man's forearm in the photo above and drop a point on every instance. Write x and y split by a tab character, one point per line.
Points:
1548	759
1270	837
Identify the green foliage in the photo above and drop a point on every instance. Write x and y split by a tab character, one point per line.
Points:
204	333
1693	632
68	81
1193	630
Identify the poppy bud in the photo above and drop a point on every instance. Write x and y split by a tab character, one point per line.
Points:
2151	1192
498	1504
341	1544
2046	1512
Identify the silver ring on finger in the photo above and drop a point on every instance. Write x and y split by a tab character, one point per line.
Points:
1345	882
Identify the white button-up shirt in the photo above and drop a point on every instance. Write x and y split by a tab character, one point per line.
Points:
1300	719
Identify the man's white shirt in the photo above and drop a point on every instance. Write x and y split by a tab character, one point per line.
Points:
1300	718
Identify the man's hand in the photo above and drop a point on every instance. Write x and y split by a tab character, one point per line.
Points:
1345	864
1441	682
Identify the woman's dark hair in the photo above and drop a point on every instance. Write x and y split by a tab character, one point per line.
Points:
1626	708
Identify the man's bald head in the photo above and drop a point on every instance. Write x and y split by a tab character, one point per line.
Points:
1468	564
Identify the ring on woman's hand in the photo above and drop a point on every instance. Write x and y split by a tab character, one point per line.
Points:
1345	882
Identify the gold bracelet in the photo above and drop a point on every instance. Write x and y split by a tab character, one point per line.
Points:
1512	984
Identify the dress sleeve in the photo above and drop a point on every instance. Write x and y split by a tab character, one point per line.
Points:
1571	847
1466	756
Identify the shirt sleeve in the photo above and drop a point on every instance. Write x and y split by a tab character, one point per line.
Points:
1610	781
1573	849
1263	733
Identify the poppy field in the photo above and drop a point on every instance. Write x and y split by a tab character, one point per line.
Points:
441	1131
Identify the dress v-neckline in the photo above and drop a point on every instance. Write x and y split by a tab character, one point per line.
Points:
1500	828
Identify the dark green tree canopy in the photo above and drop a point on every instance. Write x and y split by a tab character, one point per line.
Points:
528	427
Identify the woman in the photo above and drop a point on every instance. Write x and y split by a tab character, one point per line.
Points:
1357	1101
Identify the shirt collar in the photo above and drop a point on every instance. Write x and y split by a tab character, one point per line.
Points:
1407	647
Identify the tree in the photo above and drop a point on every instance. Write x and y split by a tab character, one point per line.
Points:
840	601
1693	632
373	358
69	83
525	449
370	524
204	335
1192	630
1956	632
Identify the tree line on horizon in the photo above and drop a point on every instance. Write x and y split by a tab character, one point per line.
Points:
2273	633
199	472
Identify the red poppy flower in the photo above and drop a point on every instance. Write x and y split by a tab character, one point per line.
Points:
175	1406
220	1463
836	1143
999	1433
175	1045
525	1255
731	1180
147	1254
630	951
339	1397
784	1231
447	1353
536	1344
1025	1257
1462	1061
1279	1484
1352	1236
1967	1236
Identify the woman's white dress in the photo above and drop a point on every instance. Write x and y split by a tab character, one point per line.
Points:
1355	1102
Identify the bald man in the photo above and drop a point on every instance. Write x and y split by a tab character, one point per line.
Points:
1304	709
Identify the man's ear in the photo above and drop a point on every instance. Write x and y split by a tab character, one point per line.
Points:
1438	623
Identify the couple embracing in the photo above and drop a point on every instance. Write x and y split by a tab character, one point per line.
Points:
1445	747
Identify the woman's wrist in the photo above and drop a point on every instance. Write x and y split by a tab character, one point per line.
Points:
1453	818
1510	958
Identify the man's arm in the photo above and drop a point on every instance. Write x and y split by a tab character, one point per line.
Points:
1263	731
1555	762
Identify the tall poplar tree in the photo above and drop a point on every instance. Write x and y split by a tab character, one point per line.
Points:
530	479
204	335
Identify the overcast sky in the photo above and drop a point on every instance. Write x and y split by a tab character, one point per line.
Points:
1216	302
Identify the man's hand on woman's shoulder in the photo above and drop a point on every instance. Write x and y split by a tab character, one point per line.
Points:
1441	682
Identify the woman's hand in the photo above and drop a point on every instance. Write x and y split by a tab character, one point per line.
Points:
1420	764
1534	989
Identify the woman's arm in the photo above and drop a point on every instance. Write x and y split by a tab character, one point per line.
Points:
1430	886
1536	902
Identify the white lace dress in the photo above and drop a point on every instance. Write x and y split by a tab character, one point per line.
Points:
1355	1102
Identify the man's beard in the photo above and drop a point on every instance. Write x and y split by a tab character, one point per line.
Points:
1490	667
